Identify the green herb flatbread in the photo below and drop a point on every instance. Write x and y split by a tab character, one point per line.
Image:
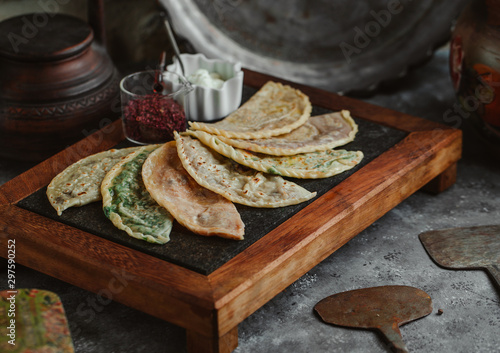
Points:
127	203
312	165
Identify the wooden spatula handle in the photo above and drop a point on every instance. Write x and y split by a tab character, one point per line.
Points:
393	335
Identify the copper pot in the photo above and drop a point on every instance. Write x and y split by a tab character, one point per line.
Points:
57	82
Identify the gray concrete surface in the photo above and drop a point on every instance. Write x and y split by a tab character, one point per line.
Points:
387	253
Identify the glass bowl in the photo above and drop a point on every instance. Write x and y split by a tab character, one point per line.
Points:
149	115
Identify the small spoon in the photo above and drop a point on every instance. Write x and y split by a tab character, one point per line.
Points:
164	17
157	86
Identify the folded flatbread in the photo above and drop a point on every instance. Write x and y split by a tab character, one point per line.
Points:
80	183
196	208
127	203
319	133
312	165
274	110
234	181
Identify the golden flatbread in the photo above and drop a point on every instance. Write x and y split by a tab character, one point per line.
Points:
275	109
235	182
196	208
319	133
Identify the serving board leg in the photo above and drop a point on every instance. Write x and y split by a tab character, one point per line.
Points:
198	343
443	181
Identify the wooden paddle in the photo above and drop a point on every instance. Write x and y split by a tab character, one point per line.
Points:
381	308
466	248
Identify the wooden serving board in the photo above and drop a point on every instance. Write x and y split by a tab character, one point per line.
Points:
210	298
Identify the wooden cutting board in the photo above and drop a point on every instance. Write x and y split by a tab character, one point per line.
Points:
211	301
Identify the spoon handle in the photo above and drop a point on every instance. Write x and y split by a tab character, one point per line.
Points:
174	43
157	86
393	335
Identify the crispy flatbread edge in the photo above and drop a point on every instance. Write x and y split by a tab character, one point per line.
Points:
238	236
181	152
75	202
305	102
280	151
107	198
236	155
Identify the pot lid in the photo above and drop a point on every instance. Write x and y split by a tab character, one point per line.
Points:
43	37
337	45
